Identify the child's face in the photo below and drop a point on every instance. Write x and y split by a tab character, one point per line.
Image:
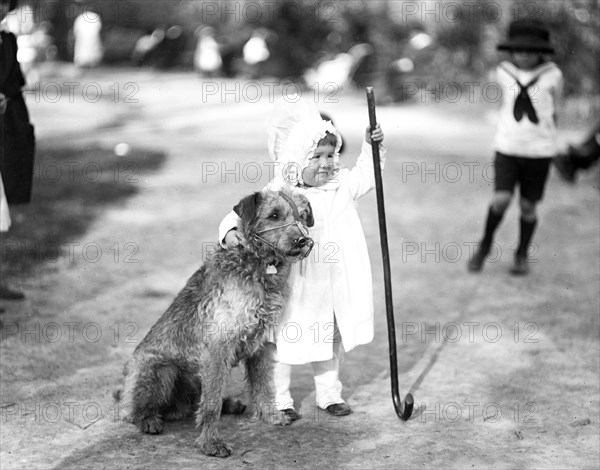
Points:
526	60
322	166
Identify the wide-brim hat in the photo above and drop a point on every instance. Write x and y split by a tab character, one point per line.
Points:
527	35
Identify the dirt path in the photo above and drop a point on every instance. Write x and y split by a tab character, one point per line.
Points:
512	387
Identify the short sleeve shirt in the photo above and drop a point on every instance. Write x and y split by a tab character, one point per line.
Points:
524	138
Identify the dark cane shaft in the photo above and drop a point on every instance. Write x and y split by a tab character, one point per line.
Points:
405	411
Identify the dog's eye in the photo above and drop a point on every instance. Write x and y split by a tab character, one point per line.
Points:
274	216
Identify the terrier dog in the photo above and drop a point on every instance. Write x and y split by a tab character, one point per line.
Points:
222	315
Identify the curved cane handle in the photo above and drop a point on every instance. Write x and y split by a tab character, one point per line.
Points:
402	410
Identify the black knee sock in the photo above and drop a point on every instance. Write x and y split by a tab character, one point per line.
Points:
491	224
527	229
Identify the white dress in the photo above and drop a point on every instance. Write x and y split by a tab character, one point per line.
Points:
207	57
4	213
335	277
88	44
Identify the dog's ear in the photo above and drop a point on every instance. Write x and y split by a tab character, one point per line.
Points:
308	216
246	208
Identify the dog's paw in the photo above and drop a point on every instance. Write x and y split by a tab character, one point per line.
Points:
276	418
152	425
214	448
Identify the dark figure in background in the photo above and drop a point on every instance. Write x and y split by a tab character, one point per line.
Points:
231	52
161	49
169	50
16	132
17	143
579	157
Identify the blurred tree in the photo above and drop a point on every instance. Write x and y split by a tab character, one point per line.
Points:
464	34
465	40
576	38
56	13
299	36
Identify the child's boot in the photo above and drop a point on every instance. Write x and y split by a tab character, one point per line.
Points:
328	385
339	409
476	262
493	220
291	413
521	266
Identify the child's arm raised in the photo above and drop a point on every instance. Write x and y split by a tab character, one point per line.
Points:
375	135
362	178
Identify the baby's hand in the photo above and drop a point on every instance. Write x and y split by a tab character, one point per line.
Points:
376	135
234	238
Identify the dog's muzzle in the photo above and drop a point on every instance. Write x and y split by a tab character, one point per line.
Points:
302	243
301	246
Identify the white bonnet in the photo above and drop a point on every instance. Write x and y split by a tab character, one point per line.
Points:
294	129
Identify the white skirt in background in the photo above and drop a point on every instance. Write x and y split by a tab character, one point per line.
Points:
4	214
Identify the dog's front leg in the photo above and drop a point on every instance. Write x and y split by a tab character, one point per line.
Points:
259	373
213	377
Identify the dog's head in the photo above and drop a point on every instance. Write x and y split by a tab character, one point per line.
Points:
277	221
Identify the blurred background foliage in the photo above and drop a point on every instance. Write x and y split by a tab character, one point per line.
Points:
430	42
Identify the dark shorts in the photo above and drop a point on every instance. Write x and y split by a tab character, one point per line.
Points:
530	173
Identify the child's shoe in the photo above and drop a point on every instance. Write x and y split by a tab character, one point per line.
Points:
476	262
339	409
521	266
291	413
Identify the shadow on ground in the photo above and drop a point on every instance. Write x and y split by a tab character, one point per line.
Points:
71	187
253	442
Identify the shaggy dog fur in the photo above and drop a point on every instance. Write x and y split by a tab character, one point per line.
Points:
222	315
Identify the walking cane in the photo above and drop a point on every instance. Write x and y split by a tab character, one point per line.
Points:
403	411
